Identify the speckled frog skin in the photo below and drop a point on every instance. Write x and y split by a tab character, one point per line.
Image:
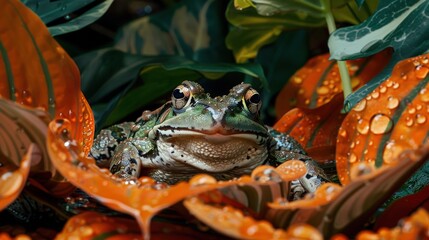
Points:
195	133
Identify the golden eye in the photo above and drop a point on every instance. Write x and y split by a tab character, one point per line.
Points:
252	101
181	96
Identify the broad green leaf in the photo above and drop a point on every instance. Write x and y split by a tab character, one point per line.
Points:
402	25
117	84
50	11
193	28
259	26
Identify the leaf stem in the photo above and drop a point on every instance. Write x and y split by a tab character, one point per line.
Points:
342	66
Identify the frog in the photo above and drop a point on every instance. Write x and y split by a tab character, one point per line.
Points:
195	133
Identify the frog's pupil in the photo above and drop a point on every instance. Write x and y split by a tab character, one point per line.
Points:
178	94
255	98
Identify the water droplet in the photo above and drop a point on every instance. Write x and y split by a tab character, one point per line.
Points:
419	107
392	102
425	60
361	169
322	90
265	174
352	158
395	85
409	121
389	83
420	119
424	95
391	151
360	106
202	179
352	145
160	186
26	95
362	126
411	110
291	170
375	94
383	89
343	132
297	80
380	124
421	72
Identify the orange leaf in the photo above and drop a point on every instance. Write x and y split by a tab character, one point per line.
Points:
391	119
315	129
318	81
233	223
36	72
353	205
12	182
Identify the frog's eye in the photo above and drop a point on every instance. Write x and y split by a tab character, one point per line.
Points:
252	101
181	97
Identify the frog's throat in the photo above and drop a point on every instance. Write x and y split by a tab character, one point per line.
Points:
212	153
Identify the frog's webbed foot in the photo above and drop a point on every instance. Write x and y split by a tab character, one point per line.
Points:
126	162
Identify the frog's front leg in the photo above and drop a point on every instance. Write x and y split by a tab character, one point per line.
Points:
283	148
128	159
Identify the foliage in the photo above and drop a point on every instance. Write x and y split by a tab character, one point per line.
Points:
377	146
64	9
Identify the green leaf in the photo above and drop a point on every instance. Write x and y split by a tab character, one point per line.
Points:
118	84
402	25
49	11
259	26
194	29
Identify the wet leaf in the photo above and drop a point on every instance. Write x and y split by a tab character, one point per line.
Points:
12	181
51	11
391	119
262	24
356	202
232	222
397	24
36	72
318	81
315	129
415	226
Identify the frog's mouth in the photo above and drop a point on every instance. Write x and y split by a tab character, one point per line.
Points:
212	152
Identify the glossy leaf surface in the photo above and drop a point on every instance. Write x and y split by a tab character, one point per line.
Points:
318	81
357	201
397	24
29	52
315	129
36	73
51	11
12	180
262	24
391	119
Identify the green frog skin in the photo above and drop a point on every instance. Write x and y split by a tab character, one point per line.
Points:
195	133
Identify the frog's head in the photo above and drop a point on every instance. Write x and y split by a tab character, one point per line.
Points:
209	134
